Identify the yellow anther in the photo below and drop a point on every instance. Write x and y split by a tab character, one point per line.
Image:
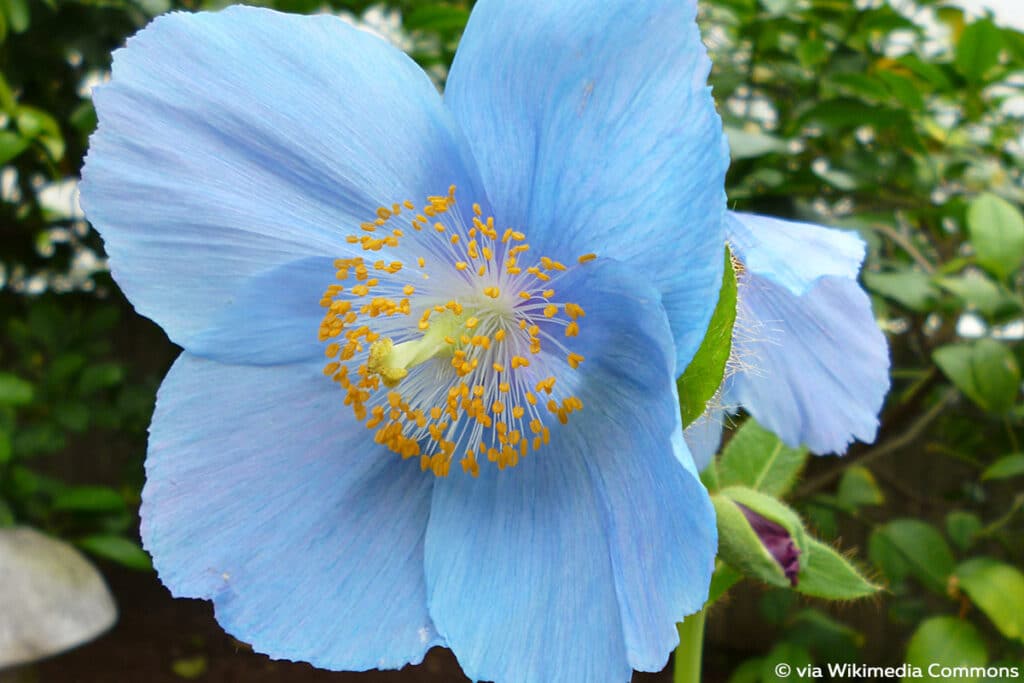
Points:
550	310
471	323
477	210
498	367
422	262
499	335
455	239
383	214
525	296
504	387
572	329
461	265
519	362
492	292
498	408
408	290
587	258
548	293
574	311
574	360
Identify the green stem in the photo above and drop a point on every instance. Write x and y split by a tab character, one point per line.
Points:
691	649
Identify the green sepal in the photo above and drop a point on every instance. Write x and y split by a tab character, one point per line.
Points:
704	374
824	573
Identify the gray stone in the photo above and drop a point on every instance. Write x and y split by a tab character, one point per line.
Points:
51	597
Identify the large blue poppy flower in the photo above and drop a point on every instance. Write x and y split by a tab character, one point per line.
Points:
504	283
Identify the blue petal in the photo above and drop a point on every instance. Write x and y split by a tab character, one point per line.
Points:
264	495
704	436
793	255
577	564
273	318
816	367
595	131
232	143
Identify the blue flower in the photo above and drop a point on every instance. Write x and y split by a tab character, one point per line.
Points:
810	363
373	286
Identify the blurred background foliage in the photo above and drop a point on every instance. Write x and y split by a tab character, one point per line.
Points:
903	121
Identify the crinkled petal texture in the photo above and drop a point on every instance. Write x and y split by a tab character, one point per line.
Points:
576	564
816	363
595	131
265	496
232	144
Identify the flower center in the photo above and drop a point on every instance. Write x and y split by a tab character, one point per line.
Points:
451	346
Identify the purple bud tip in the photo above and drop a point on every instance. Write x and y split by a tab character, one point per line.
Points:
777	541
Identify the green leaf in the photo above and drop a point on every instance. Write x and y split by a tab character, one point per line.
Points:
911	288
796	657
858	487
744	144
17	14
978	291
978	50
985	371
911	547
89	499
706	371
757	458
190	667
997	233
903	89
812	52
1005	467
436	18
997	589
748	672
962	528
945	642
7	102
824	573
100	376
831	640
117	549
37	124
14	390
11	145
